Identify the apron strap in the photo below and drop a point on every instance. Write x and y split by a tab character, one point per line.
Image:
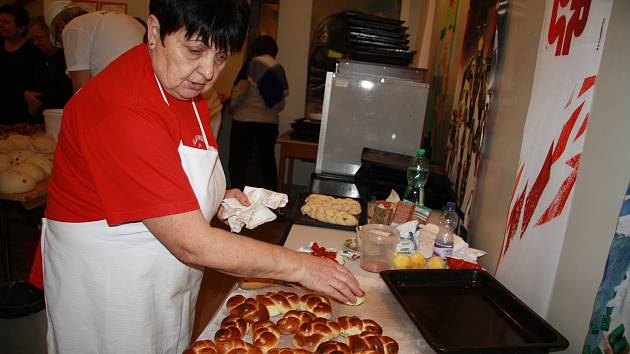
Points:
192	101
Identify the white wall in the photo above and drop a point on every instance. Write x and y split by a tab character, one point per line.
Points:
294	25
599	189
504	130
603	176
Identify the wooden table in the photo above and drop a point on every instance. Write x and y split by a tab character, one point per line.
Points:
293	149
28	200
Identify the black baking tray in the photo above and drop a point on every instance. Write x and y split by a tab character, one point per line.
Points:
368	30
298	218
374	18
469	311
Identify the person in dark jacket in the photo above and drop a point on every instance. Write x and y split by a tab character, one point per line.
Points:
18	56
52	87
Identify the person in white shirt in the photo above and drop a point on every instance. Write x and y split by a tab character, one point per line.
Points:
90	40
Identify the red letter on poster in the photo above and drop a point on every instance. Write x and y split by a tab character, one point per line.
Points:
560	30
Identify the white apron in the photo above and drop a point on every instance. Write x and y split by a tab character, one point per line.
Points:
117	289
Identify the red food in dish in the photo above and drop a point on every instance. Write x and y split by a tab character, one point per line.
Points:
322	252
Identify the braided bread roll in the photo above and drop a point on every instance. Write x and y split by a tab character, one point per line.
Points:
331	216
367	342
316	304
232	327
332	347
342	204
351	325
202	347
278	302
247	308
292	320
265	335
311	334
288	351
236	346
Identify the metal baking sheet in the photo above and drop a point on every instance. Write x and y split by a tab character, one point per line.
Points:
303	219
469	311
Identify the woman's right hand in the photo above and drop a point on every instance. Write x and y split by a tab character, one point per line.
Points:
328	277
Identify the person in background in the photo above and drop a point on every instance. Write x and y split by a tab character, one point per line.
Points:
90	40
257	98
52	87
126	233
18	57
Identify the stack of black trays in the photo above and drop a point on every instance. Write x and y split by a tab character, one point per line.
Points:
377	39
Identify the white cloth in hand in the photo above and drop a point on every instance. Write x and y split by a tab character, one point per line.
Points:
257	213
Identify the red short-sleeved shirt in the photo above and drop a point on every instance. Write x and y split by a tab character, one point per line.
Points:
117	156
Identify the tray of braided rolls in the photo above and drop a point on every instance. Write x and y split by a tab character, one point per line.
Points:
330	211
282	321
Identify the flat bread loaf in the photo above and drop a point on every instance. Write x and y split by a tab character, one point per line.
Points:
5	162
44	143
21	142
42	160
31	169
7	146
12	182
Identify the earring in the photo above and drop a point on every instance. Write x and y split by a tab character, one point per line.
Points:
152	45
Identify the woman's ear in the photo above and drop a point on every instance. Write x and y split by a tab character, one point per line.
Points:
153	31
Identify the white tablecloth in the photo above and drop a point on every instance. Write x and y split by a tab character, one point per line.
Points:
380	304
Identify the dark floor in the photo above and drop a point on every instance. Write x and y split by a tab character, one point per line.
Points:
22	318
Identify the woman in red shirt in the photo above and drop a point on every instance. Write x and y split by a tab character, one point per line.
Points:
136	180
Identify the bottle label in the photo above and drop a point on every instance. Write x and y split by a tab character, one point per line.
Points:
405	246
442	251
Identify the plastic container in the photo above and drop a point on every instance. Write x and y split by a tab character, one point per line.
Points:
52	118
417	176
378	246
444	240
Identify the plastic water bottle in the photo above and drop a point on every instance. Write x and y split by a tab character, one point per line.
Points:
417	176
443	246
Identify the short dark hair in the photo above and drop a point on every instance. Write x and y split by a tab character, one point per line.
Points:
19	14
265	45
220	23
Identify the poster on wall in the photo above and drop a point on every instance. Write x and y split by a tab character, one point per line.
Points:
437	110
569	54
472	101
328	36
610	322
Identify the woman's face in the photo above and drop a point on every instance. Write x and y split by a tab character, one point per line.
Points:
185	67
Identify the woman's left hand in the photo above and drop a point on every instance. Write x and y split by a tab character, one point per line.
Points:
236	194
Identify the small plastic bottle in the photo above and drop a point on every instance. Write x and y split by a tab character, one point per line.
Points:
417	176
443	246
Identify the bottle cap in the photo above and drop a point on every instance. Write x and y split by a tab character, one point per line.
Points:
450	205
